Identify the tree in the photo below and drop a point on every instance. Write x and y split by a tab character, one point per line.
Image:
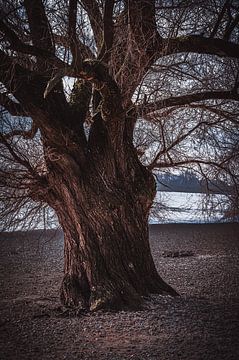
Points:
77	152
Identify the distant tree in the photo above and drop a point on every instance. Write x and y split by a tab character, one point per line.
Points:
155	86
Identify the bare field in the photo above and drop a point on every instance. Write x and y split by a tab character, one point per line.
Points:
199	261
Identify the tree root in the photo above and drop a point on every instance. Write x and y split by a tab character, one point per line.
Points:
106	296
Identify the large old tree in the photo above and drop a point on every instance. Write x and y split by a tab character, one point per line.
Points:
81	152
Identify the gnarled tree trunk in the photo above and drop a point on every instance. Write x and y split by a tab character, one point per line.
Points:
107	256
103	209
101	194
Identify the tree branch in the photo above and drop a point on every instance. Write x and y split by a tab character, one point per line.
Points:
144	27
95	17
231	26
76	54
39	25
142	20
13	76
215	110
197	44
178	140
194	161
64	41
15	109
108	31
18	158
18	45
219	19
187	99
25	134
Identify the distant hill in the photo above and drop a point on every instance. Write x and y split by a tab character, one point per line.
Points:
189	182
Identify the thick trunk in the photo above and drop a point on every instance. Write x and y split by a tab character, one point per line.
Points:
108	263
102	195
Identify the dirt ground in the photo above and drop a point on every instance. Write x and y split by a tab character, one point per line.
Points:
199	261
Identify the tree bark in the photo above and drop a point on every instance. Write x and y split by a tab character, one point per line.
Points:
107	258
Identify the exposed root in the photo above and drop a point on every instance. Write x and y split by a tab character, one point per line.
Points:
107	296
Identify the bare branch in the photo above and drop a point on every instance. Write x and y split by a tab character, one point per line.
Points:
219	19
39	24
76	54
96	20
162	165
187	99
197	44
14	76
25	134
178	140
64	41
143	23
20	160
108	31
14	108
233	118
231	26
18	45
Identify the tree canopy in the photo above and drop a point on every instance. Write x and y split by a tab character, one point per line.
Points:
173	63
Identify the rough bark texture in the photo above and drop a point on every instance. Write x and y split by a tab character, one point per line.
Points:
104	216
